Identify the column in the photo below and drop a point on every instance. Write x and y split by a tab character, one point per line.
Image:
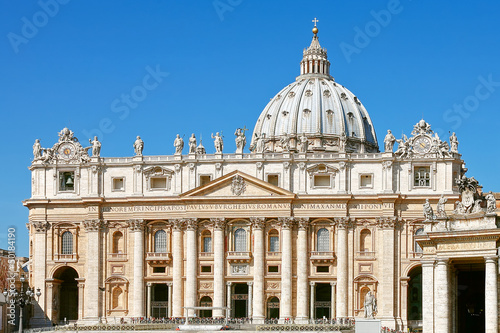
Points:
491	295
169	309
191	291
441	307
342	285
302	271
312	300
148	304
177	261
403	310
387	290
286	268
92	292
81	286
258	225
218	265
38	231
428	295
332	304
228	300
249	301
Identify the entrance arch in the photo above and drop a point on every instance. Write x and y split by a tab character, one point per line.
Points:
65	299
273	308
207	302
414	298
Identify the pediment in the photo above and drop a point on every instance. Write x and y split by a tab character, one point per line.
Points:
237	185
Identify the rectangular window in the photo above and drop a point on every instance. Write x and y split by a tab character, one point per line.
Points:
274	244
158	183
273	179
272	269
118	184
322	269
322	180
207	244
204	179
66	181
422	176
206	269
159	269
366	181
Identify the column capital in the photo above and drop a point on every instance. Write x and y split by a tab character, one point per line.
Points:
136	225
40	226
169	284
176	224
218	222
312	283
228	283
191	224
491	259
387	222
93	225
250	283
149	284
343	222
303	223
442	261
286	222
428	263
258	223
333	284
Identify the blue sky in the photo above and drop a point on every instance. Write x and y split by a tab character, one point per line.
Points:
217	64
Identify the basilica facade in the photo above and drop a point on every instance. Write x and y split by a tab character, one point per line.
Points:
302	227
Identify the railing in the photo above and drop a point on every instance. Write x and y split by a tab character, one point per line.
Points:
158	256
117	256
238	254
65	257
274	254
322	254
206	254
366	254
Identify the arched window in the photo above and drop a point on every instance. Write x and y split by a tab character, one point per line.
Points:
67	243
160	241
365	241
117	298
420	231
118	242
274	241
206	241
240	240
323	240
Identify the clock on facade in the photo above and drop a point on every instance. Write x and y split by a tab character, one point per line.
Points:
66	150
422	144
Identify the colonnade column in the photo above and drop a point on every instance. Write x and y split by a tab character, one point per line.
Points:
191	265
311	302
228	300
39	233
302	271
218	243
332	305
428	296
169	308
81	290
258	225
441	307
286	268
491	295
342	285
148	302
92	293
249	303
177	261
388	287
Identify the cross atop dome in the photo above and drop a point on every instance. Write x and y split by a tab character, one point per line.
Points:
315	29
315	59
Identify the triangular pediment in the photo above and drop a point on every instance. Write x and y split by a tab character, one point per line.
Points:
237	184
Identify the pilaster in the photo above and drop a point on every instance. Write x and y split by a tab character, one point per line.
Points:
177	261
137	228
302	271
219	226
93	295
286	224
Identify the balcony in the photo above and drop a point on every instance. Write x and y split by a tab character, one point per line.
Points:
206	255
235	257
65	257
158	258
322	257
117	257
273	255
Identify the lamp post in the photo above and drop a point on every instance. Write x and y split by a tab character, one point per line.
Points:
22	298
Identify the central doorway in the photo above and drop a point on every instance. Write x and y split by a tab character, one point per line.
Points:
159	302
323	301
470	299
240	300
68	294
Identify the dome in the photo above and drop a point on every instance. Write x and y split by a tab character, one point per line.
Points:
314	113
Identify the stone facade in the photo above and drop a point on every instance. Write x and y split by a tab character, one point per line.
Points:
280	232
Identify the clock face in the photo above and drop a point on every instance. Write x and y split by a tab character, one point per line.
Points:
422	144
66	151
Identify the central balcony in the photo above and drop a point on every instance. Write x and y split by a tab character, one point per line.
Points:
235	257
323	257
158	258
